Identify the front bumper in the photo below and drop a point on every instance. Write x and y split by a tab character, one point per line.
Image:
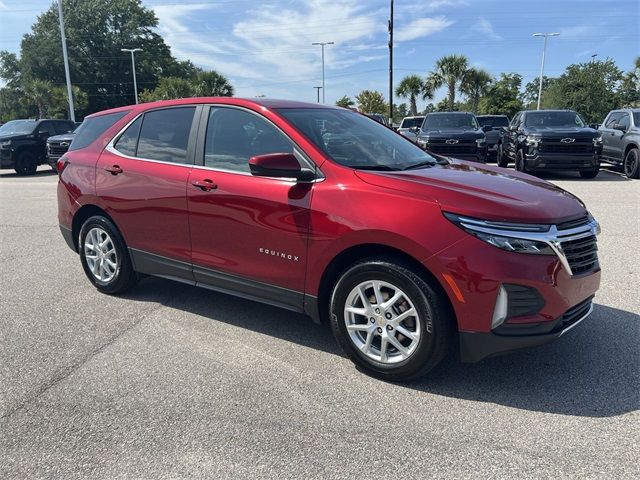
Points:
475	346
561	161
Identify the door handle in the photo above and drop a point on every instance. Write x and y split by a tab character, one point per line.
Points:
205	185
114	169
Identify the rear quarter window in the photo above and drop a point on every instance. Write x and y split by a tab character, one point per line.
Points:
92	128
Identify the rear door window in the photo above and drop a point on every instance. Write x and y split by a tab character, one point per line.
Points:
164	135
92	128
128	141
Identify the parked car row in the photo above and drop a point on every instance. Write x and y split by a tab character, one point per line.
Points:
536	140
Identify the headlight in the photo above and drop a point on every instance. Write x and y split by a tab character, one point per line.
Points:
480	229
5	144
480	141
532	141
597	140
423	141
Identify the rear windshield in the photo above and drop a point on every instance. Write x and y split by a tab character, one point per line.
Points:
411	122
553	119
17	126
455	121
92	128
493	121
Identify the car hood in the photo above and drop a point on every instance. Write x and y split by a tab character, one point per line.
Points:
484	192
559	133
15	136
452	133
65	137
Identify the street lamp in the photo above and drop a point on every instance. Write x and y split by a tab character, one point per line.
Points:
322	44
544	50
318	92
133	68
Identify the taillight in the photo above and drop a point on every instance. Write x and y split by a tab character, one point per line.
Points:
61	164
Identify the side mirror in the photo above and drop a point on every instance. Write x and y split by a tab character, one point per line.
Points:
487	128
617	126
415	130
595	126
513	128
280	165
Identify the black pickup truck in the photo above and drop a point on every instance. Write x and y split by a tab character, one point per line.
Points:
23	143
494	136
539	140
454	134
621	140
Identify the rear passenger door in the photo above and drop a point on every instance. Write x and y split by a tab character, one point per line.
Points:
609	134
142	176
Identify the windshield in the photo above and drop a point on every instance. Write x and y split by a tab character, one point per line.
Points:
355	141
17	126
493	121
412	122
454	121
553	119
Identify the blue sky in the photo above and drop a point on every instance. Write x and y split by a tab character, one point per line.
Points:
264	47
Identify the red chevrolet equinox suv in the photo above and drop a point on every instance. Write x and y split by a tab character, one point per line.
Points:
323	211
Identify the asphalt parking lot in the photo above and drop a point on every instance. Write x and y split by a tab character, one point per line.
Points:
171	381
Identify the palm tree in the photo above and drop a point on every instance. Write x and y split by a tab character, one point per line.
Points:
450	71
410	87
345	102
475	84
39	94
211	84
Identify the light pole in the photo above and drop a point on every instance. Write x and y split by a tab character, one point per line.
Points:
391	62
65	58
322	44
133	67
544	50
318	90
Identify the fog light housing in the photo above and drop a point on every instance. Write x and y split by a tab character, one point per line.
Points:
501	308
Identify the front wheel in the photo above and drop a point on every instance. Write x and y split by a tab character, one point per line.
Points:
589	173
26	164
104	256
389	321
632	164
501	158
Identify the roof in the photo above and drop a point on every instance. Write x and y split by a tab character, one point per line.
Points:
483	116
450	113
255	102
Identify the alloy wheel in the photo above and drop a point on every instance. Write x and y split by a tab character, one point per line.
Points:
382	321
100	254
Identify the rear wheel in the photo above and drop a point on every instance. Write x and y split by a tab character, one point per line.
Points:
26	164
632	163
501	158
389	321
589	173
104	256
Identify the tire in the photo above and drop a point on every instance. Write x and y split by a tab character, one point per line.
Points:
632	163
118	274
520	164
26	164
501	158
590	173
430	328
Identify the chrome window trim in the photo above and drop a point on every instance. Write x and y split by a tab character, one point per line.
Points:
553	237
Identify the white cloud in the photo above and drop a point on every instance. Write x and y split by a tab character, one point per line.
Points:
421	27
484	26
577	31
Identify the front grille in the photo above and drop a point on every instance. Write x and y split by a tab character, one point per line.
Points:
57	149
582	254
574	314
578	222
444	148
550	146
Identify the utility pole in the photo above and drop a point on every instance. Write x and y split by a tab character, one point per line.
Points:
544	50
318	90
322	44
65	57
391	64
133	68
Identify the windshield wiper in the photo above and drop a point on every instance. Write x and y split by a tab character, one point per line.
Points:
385	168
427	163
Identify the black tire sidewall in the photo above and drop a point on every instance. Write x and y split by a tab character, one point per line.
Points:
520	165
424	300
26	164
635	172
501	160
124	269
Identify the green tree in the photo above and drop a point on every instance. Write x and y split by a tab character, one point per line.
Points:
371	101
96	30
630	86
169	88
590	88
503	97
475	85
39	93
530	95
450	71
399	112
410	87
211	84
345	102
